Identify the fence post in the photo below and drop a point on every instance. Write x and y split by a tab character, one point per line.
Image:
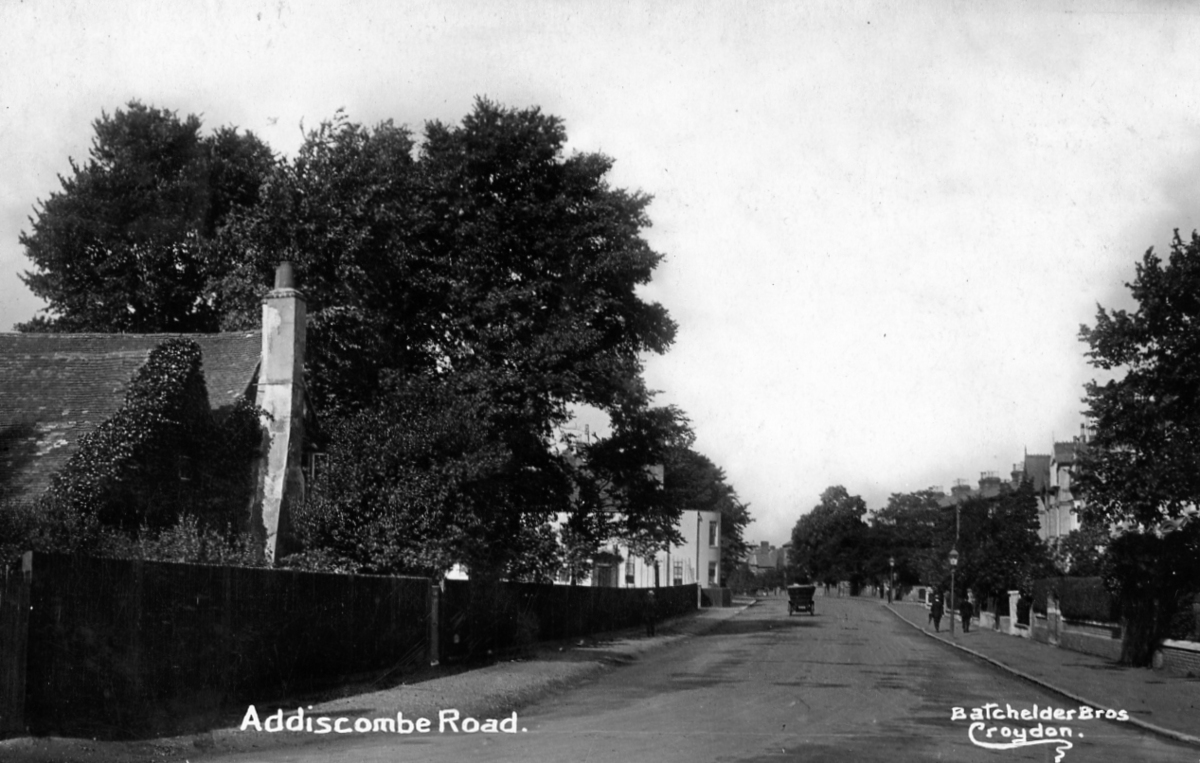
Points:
434	610
1013	597
1053	617
14	644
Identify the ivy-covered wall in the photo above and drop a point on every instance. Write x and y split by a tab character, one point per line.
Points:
163	467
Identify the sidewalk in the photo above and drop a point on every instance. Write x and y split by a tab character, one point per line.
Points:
491	691
1158	701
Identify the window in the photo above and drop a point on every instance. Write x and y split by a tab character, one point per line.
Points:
678	573
314	465
629	572
712	573
712	533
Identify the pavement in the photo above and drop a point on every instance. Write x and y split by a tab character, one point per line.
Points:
1158	701
491	691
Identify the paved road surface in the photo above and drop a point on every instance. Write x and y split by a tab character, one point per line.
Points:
849	684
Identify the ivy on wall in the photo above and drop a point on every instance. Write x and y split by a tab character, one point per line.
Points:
164	478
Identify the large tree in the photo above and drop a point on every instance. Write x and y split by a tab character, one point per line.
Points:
829	541
1141	469
483	248
999	547
910	530
426	480
482	260
124	246
480	265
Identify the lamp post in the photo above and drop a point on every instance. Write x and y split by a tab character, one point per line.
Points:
953	564
699	596
891	578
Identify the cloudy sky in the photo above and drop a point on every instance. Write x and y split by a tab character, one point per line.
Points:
883	223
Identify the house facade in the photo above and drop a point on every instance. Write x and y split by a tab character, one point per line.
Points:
696	559
1062	502
58	388
765	557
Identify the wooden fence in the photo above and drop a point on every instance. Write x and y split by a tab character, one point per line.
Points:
119	649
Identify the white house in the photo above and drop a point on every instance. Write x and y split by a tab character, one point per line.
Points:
696	559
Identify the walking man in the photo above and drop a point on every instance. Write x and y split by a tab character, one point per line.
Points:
966	609
650	612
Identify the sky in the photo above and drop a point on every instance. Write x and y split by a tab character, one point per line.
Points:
882	223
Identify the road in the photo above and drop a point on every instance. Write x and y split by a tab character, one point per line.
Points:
852	683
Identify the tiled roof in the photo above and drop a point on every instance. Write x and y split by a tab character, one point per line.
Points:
55	388
1064	452
1037	469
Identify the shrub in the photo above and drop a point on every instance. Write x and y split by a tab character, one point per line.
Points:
1087	599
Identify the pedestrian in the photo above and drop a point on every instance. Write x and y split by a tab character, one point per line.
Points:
936	611
650	612
966	609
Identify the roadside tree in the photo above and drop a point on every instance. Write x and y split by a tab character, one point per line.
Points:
1139	471
828	543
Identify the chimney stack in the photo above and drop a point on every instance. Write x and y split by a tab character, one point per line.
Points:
281	395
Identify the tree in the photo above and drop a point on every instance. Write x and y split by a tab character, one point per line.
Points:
1139	471
910	529
1000	549
123	247
1081	552
695	483
481	266
619	472
828	542
485	249
425	481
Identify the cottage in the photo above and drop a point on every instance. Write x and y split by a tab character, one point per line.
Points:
56	388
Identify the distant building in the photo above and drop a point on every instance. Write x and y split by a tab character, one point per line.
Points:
990	486
1063	502
765	557
696	559
1053	479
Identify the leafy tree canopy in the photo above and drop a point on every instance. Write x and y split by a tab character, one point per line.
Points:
420	483
909	530
828	541
123	245
1141	470
999	547
478	272
482	248
1142	465
694	482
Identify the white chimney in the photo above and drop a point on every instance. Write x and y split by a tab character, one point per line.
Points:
281	395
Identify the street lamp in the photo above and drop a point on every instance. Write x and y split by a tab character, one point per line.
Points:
699	596
891	578
953	564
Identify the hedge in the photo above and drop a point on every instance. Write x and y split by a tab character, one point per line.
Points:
1078	598
1087	599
